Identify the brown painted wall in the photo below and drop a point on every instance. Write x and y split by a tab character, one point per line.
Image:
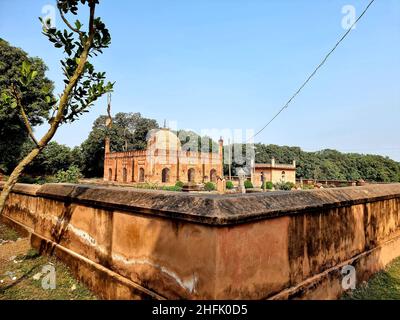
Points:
127	243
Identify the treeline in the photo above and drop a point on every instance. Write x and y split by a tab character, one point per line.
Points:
129	132
332	164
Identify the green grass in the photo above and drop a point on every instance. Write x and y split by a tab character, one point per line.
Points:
7	233
24	267
385	285
27	288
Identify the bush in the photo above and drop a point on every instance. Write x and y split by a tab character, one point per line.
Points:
209	186
71	175
229	185
147	185
179	184
268	185
287	186
172	188
307	186
248	184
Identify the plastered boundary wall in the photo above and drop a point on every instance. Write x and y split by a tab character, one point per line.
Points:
126	243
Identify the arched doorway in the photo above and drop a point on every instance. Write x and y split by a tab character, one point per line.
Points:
283	176
125	175
191	175
141	175
165	175
213	175
110	175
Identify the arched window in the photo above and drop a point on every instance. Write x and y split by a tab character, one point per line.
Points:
110	175
141	175
283	176
165	175
125	175
213	175
191	175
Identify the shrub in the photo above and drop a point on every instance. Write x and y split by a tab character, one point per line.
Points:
287	186
147	185
307	186
229	185
179	184
71	175
209	186
248	184
172	188
268	185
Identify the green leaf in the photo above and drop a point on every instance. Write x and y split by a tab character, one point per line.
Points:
14	104
78	24
33	75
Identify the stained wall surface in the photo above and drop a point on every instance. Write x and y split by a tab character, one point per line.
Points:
138	244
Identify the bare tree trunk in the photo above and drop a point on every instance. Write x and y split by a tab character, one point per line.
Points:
12	180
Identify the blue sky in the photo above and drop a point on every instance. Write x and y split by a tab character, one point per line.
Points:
233	64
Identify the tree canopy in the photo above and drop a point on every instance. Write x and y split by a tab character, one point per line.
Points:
330	164
33	96
128	132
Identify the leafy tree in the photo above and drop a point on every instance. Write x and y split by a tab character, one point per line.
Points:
53	158
12	127
324	164
191	141
83	86
128	132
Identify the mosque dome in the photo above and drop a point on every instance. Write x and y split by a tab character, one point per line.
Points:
163	139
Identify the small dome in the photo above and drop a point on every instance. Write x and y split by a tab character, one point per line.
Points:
163	139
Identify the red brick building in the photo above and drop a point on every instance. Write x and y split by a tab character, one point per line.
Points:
162	162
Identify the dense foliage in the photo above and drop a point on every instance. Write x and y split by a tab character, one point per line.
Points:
328	164
71	175
33	97
128	132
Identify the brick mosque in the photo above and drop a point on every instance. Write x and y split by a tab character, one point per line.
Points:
164	161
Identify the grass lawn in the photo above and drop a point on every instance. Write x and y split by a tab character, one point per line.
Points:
385	285
22	273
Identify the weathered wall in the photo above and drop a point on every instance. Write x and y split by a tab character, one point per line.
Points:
127	243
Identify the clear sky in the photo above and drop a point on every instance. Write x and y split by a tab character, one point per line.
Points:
234	63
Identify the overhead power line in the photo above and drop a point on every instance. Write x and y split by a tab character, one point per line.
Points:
315	71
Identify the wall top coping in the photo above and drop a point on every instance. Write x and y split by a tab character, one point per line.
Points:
211	209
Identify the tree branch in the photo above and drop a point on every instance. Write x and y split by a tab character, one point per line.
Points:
69	25
23	114
64	99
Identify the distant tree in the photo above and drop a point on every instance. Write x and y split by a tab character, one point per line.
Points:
325	164
128	132
191	141
83	85
12	127
53	158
